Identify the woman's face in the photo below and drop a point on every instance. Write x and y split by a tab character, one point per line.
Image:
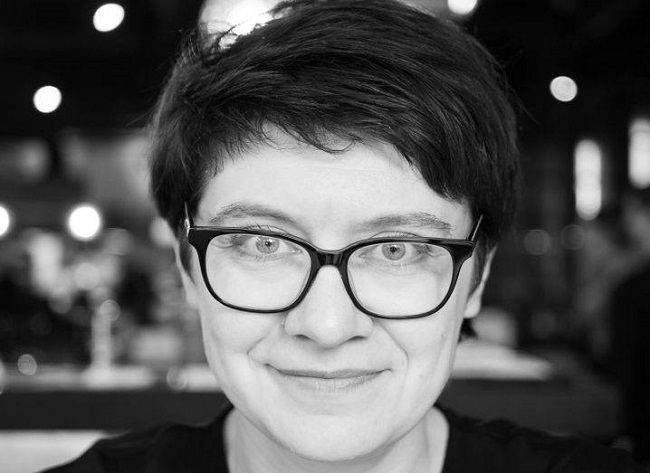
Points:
324	380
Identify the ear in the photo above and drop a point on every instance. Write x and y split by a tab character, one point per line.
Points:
473	306
186	278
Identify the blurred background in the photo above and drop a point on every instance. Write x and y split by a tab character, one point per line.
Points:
94	335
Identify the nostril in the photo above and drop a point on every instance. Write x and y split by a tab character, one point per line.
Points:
358	338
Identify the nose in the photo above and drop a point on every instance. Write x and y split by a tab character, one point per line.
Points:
327	316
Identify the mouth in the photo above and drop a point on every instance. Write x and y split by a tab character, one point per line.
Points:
326	381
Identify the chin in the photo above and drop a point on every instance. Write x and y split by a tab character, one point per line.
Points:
329	440
337	451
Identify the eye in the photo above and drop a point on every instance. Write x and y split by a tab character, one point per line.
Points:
393	251
245	244
267	245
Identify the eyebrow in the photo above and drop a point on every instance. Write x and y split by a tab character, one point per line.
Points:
243	210
411	219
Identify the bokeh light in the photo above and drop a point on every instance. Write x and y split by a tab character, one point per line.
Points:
462	7
27	364
5	220
564	89
47	99
242	16
110	309
588	182
247	14
108	17
639	159
84	222
573	237
537	242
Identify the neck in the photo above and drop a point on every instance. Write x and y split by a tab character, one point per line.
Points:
422	449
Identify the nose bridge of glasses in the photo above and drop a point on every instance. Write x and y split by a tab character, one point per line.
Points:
330	258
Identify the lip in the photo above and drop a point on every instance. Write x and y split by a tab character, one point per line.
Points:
326	381
336	374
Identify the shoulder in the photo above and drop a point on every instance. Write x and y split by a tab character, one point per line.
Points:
161	449
503	446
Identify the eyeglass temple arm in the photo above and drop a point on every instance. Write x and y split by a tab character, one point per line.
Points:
473	236
187	223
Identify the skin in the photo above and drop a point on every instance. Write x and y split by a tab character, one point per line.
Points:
290	423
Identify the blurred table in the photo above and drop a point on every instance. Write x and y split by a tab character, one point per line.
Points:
54	414
559	405
29	451
588	409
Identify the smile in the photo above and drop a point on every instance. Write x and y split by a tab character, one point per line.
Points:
326	381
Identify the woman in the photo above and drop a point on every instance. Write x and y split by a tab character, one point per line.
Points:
338	180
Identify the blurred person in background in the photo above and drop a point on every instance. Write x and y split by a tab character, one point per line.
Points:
337	180
630	319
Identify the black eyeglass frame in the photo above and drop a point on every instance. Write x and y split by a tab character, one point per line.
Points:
459	249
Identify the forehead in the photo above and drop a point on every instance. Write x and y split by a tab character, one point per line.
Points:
324	191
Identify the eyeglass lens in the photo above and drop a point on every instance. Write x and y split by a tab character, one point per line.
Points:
260	272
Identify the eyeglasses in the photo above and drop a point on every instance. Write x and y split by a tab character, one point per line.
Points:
390	277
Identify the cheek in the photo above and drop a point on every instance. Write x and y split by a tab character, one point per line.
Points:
431	345
428	346
226	331
229	336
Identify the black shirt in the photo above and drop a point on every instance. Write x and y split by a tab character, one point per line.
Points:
473	447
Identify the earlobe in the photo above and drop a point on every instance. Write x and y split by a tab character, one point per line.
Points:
186	279
474	301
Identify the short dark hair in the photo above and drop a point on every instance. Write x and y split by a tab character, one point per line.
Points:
361	70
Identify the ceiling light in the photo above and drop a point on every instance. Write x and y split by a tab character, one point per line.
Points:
84	222
564	88
462	7
47	99
108	17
